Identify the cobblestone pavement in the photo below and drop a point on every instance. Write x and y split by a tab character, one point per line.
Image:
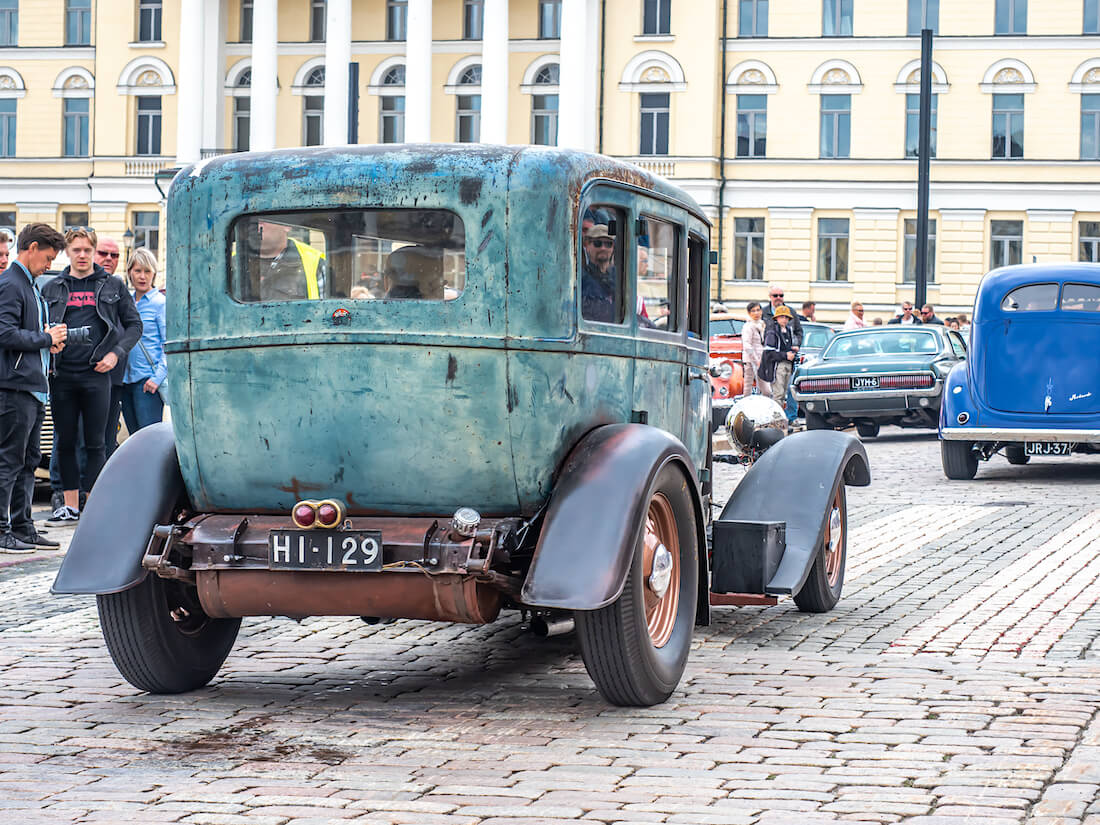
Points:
956	682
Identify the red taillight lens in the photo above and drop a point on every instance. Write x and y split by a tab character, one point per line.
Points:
919	381
824	385
305	514
329	513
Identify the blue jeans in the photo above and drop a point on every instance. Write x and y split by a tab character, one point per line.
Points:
140	408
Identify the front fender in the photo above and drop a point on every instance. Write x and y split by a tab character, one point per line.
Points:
137	489
794	482
595	514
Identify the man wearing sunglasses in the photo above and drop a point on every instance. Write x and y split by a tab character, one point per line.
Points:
928	315
907	316
107	256
599	281
775	299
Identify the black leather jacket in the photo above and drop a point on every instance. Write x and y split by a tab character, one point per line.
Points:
113	303
21	337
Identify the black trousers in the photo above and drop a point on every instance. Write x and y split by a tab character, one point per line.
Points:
114	410
73	399
21	417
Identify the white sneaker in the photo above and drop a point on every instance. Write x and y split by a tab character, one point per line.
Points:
63	517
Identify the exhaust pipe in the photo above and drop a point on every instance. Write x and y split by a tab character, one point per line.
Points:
546	626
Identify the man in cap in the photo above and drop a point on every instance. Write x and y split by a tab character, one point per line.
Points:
600	299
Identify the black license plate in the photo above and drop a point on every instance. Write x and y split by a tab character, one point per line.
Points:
865	382
1047	448
353	551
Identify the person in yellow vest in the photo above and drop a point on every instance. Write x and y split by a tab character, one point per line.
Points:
283	268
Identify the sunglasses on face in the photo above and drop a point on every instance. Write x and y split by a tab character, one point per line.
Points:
777	294
108	254
605	243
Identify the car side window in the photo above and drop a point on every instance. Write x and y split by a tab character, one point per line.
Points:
697	253
957	345
1031	298
658	259
603	231
1081	297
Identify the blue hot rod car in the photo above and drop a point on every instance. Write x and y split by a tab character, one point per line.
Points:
1031	385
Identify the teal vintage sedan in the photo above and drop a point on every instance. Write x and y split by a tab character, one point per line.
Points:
875	376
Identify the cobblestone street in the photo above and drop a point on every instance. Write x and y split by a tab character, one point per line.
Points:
958	681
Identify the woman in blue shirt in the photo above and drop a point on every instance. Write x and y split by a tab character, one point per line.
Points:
147	367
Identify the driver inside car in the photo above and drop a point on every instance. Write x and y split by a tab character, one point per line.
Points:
279	267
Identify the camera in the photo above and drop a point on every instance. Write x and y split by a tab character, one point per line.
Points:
79	335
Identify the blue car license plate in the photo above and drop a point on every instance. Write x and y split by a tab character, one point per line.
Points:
353	551
1047	448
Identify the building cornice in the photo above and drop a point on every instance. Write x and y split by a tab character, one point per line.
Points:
761	46
69	53
390	47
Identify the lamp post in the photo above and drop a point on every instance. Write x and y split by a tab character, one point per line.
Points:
128	241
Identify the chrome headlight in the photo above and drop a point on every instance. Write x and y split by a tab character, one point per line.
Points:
754	423
720	368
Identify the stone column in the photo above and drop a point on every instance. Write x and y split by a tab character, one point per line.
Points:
494	73
213	87
577	98
189	82
265	81
337	57
418	72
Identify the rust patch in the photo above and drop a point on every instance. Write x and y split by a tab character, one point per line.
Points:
452	368
297	487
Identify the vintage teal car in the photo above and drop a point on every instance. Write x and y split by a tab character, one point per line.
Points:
879	375
411	382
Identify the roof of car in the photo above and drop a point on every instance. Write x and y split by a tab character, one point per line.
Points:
463	162
998	283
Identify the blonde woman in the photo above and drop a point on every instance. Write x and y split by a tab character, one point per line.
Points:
752	350
147	367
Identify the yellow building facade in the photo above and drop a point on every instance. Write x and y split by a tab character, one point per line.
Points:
790	121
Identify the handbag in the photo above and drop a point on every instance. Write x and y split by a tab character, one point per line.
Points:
162	390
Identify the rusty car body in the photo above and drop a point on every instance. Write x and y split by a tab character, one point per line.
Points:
486	430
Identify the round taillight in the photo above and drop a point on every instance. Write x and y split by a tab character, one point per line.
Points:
328	514
304	514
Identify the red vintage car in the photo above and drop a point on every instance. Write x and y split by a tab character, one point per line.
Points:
725	360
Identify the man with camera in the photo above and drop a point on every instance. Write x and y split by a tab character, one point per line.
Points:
103	326
25	347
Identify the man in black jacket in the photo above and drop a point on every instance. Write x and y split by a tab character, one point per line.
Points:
775	299
25	344
97	305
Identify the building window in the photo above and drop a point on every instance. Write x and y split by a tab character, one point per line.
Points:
752	18
923	14
149	14
836	126
78	22
656	16
317	20
242	123
1090	241
912	125
75	127
397	19
468	125
1090	127
147	230
544	120
313	110
73	220
9	22
1008	243
836	18
910	274
473	19
392	127
832	249
654	109
7	128
549	19
1092	16
1011	17
1008	126
246	21
748	249
148	126
752	125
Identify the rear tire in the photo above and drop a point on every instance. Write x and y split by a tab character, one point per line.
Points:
1015	455
156	652
959	460
636	648
816	421
867	429
822	589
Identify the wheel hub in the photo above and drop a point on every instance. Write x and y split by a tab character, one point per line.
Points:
661	576
834	528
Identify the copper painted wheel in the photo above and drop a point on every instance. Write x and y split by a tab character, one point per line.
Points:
834	541
661	570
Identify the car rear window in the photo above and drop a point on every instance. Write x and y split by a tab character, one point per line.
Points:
1031	298
357	254
882	343
725	326
1081	297
815	337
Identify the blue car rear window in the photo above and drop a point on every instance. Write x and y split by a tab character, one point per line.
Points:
1081	297
1031	298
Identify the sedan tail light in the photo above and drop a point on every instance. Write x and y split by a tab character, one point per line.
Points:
824	385
920	381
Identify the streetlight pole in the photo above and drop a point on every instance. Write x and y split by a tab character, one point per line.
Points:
924	152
